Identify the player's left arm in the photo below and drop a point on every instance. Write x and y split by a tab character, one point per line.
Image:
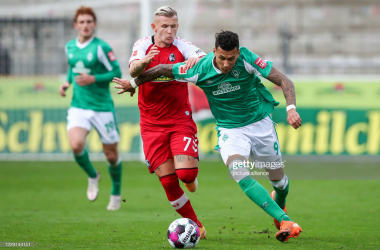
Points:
108	59
149	75
287	86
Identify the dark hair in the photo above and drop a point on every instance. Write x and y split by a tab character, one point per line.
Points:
84	10
226	40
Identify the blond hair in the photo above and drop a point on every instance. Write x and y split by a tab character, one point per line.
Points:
166	11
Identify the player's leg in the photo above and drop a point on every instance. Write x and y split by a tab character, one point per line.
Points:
269	151
78	127
106	125
115	169
176	196
235	158
184	147
160	161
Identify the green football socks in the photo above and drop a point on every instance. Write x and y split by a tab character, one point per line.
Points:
282	189
115	173
259	195
84	162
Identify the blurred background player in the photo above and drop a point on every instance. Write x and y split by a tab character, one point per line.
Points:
168	131
92	65
241	106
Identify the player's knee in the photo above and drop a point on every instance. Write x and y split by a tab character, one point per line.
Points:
187	175
77	147
112	158
169	181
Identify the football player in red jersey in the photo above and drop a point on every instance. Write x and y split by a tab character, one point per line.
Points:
168	131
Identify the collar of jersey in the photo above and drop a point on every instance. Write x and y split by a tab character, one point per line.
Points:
83	45
216	69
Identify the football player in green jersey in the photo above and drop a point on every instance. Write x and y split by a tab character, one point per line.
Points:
92	66
241	106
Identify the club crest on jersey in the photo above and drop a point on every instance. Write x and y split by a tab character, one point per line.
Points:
261	63
172	57
225	87
181	70
90	56
235	73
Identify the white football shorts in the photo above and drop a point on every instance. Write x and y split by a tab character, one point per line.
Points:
254	141
104	122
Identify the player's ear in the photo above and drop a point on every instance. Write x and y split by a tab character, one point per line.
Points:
238	52
153	27
214	50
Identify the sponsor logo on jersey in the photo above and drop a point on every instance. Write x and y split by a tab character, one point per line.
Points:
80	68
225	87
235	73
163	79
90	56
261	63
172	57
111	56
181	70
134	53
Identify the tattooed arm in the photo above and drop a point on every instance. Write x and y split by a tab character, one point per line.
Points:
285	83
287	86
147	76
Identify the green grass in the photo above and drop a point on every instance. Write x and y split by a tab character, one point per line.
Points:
45	203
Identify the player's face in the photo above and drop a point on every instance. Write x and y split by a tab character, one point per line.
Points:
165	29
225	60
85	25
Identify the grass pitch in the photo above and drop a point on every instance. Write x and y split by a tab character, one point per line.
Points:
45	203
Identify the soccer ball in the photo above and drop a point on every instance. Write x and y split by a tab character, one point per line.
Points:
183	233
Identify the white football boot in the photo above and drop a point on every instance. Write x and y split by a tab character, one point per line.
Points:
114	203
93	189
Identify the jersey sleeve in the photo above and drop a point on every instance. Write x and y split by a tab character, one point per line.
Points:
139	49
69	76
255	64
108	59
191	75
189	50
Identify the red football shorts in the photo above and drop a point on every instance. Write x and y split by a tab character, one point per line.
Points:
163	142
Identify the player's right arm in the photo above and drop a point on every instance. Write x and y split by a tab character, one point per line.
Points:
147	76
69	79
138	66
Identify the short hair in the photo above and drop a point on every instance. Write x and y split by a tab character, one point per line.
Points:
226	40
166	11
84	10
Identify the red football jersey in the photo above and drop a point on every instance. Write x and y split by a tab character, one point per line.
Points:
164	101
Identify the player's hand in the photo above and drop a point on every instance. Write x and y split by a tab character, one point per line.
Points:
191	62
62	89
84	79
294	119
124	85
152	53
